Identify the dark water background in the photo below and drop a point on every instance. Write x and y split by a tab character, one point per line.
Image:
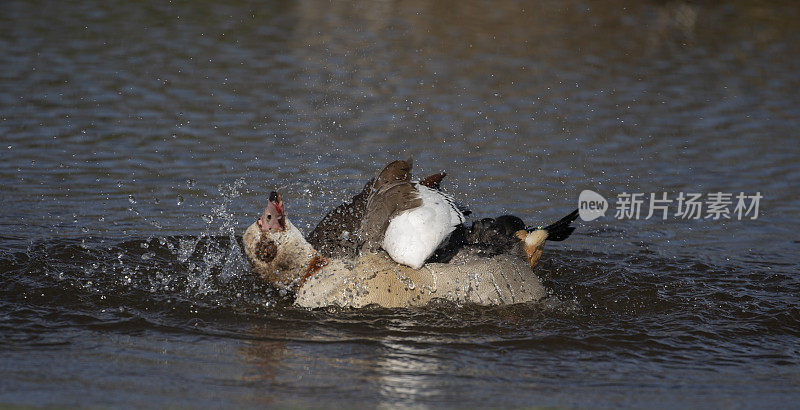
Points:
139	138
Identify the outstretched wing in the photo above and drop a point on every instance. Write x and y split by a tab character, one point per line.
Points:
382	206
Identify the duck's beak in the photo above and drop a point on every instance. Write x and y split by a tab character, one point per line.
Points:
274	217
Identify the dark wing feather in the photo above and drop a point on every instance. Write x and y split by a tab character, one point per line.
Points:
329	238
382	206
433	181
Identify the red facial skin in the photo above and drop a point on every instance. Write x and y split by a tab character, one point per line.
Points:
274	217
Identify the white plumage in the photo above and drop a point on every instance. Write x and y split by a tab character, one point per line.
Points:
414	235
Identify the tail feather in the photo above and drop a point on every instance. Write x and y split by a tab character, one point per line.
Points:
560	230
433	181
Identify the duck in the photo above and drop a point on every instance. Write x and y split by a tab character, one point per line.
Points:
489	263
280	255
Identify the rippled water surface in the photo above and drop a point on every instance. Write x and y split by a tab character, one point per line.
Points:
139	139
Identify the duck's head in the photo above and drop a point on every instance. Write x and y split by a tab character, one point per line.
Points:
274	217
274	246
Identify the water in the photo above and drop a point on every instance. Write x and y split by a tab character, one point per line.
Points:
139	139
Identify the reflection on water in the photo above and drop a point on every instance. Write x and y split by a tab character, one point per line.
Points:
138	139
399	373
405	374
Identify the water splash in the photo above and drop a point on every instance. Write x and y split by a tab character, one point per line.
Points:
223	261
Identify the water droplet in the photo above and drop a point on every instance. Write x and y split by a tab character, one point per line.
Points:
131	199
180	200
190	183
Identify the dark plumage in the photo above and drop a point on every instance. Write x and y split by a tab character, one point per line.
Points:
392	194
395	171
433	181
560	230
363	220
338	234
335	235
488	237
493	236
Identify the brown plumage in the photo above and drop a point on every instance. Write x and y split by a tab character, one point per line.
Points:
339	234
335	235
393	193
394	172
433	181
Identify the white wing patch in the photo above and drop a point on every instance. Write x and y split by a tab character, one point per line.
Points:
415	234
